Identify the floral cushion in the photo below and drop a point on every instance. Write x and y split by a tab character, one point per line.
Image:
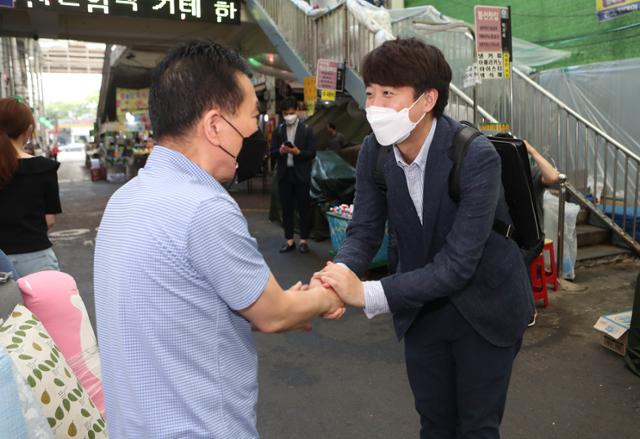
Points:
67	407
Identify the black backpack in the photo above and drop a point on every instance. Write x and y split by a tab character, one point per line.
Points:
526	229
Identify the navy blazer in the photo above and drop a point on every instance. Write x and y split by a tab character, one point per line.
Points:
303	162
455	253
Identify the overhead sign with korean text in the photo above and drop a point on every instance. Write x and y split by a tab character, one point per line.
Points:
493	42
610	9
212	11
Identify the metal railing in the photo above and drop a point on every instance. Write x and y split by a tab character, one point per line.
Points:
339	34
596	165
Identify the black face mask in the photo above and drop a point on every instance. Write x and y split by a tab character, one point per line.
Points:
249	159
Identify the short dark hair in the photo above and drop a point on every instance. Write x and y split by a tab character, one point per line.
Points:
289	103
409	62
331	125
191	79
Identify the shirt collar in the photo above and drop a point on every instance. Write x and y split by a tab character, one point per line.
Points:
166	158
421	158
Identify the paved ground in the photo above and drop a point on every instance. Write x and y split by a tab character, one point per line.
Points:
346	379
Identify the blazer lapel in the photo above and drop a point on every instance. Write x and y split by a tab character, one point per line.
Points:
436	179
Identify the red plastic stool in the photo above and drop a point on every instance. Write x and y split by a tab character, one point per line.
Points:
552	275
539	280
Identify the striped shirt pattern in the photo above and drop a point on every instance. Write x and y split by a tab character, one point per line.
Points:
174	262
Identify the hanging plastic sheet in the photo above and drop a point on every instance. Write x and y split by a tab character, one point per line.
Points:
333	180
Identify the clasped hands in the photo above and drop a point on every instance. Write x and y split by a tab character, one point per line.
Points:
342	287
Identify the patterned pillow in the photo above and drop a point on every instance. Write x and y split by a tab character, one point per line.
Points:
19	401
66	405
53	296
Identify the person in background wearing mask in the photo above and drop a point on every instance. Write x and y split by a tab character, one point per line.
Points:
336	138
176	304
461	297
29	196
293	147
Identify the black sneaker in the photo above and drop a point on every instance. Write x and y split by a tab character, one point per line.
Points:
287	248
304	248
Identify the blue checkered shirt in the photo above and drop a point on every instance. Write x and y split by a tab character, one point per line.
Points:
174	263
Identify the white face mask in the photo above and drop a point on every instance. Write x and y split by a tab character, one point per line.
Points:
391	126
290	119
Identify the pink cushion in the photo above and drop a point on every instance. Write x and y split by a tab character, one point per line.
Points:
53	297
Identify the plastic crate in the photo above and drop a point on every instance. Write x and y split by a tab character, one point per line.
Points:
338	229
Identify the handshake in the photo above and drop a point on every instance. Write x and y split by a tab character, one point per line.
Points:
339	286
328	293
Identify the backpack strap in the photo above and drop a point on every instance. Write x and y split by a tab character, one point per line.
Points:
461	141
378	172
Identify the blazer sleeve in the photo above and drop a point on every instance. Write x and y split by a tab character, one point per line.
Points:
276	141
309	151
365	231
456	263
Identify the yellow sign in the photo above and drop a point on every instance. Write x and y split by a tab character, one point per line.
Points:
328	95
495	127
310	92
506	64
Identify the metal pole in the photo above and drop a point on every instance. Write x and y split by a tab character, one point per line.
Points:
511	72
475	85
475	105
346	35
511	100
560	244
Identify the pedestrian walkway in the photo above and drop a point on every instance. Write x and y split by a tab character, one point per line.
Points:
347	380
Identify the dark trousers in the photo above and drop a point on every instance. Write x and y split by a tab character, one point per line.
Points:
459	380
294	194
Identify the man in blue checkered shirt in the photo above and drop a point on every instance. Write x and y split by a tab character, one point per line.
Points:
179	280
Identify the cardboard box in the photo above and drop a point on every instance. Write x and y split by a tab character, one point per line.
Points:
615	328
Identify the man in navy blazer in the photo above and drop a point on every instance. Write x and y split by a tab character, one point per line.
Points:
293	147
461	296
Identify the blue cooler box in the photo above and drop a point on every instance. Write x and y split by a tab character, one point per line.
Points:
338	229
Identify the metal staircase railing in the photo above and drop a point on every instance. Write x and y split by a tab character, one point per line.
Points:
337	34
594	162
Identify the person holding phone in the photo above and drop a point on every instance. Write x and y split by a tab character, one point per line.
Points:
293	147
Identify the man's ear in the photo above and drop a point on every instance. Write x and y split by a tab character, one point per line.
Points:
430	99
211	125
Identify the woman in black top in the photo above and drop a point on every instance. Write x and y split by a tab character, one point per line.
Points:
29	197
